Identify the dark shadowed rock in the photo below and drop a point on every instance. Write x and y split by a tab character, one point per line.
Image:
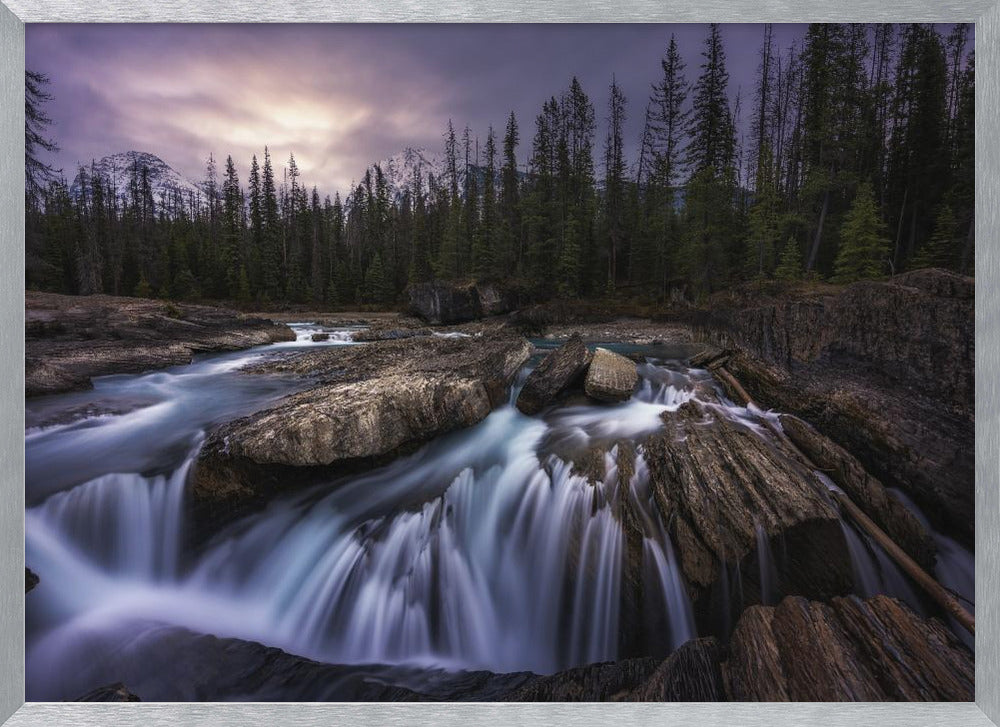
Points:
366	406
867	492
885	369
692	673
724	489
30	580
71	339
590	683
850	650
559	370
610	377
117	692
316	337
439	302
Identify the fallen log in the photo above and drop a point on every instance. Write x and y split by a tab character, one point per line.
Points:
935	590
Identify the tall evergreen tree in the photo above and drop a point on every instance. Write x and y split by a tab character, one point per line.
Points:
865	250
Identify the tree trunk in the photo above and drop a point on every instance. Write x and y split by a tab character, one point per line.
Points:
814	252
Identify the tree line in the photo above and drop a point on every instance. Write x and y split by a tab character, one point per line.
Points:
855	161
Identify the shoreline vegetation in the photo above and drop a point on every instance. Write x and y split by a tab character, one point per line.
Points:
859	166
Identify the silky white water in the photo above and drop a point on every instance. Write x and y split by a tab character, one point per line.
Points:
483	550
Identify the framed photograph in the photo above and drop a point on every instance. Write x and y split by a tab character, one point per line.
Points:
458	364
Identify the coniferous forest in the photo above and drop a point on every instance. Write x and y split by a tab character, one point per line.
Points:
851	159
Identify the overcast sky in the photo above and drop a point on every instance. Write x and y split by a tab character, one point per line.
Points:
342	96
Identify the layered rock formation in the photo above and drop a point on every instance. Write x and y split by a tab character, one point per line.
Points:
364	407
610	377
557	372
849	650
71	339
885	369
728	494
439	302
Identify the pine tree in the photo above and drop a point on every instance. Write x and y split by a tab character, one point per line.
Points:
712	134
509	252
485	240
790	266
614	183
271	243
940	249
38	174
232	227
864	252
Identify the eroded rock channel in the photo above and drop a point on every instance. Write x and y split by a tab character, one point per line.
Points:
469	516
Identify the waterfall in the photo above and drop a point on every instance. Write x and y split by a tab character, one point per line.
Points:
126	524
767	570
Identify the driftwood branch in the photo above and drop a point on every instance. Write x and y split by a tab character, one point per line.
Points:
935	590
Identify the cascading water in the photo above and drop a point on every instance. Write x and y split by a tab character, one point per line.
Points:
482	550
485	549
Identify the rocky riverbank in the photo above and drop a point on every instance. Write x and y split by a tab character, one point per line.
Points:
885	369
363	407
848	650
71	339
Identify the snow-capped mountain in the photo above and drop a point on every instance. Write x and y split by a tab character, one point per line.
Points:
118	169
400	168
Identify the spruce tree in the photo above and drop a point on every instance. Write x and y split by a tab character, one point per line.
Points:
865	248
940	249
509	252
790	266
232	227
614	183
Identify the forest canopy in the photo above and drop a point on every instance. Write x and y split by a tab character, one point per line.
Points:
851	159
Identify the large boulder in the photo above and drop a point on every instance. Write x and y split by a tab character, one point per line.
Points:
743	507
440	302
71	339
885	369
558	371
611	377
849	650
365	406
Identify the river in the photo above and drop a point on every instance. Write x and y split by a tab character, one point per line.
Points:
483	550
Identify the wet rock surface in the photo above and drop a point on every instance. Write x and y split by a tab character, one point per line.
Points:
885	369
70	339
364	406
800	650
558	371
610	377
726	491
867	492
849	650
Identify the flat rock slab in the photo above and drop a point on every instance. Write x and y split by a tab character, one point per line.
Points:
559	370
71	339
611	377
365	406
849	650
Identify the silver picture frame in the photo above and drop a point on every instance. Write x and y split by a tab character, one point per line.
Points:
984	711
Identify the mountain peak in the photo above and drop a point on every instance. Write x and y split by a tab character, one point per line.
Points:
166	183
